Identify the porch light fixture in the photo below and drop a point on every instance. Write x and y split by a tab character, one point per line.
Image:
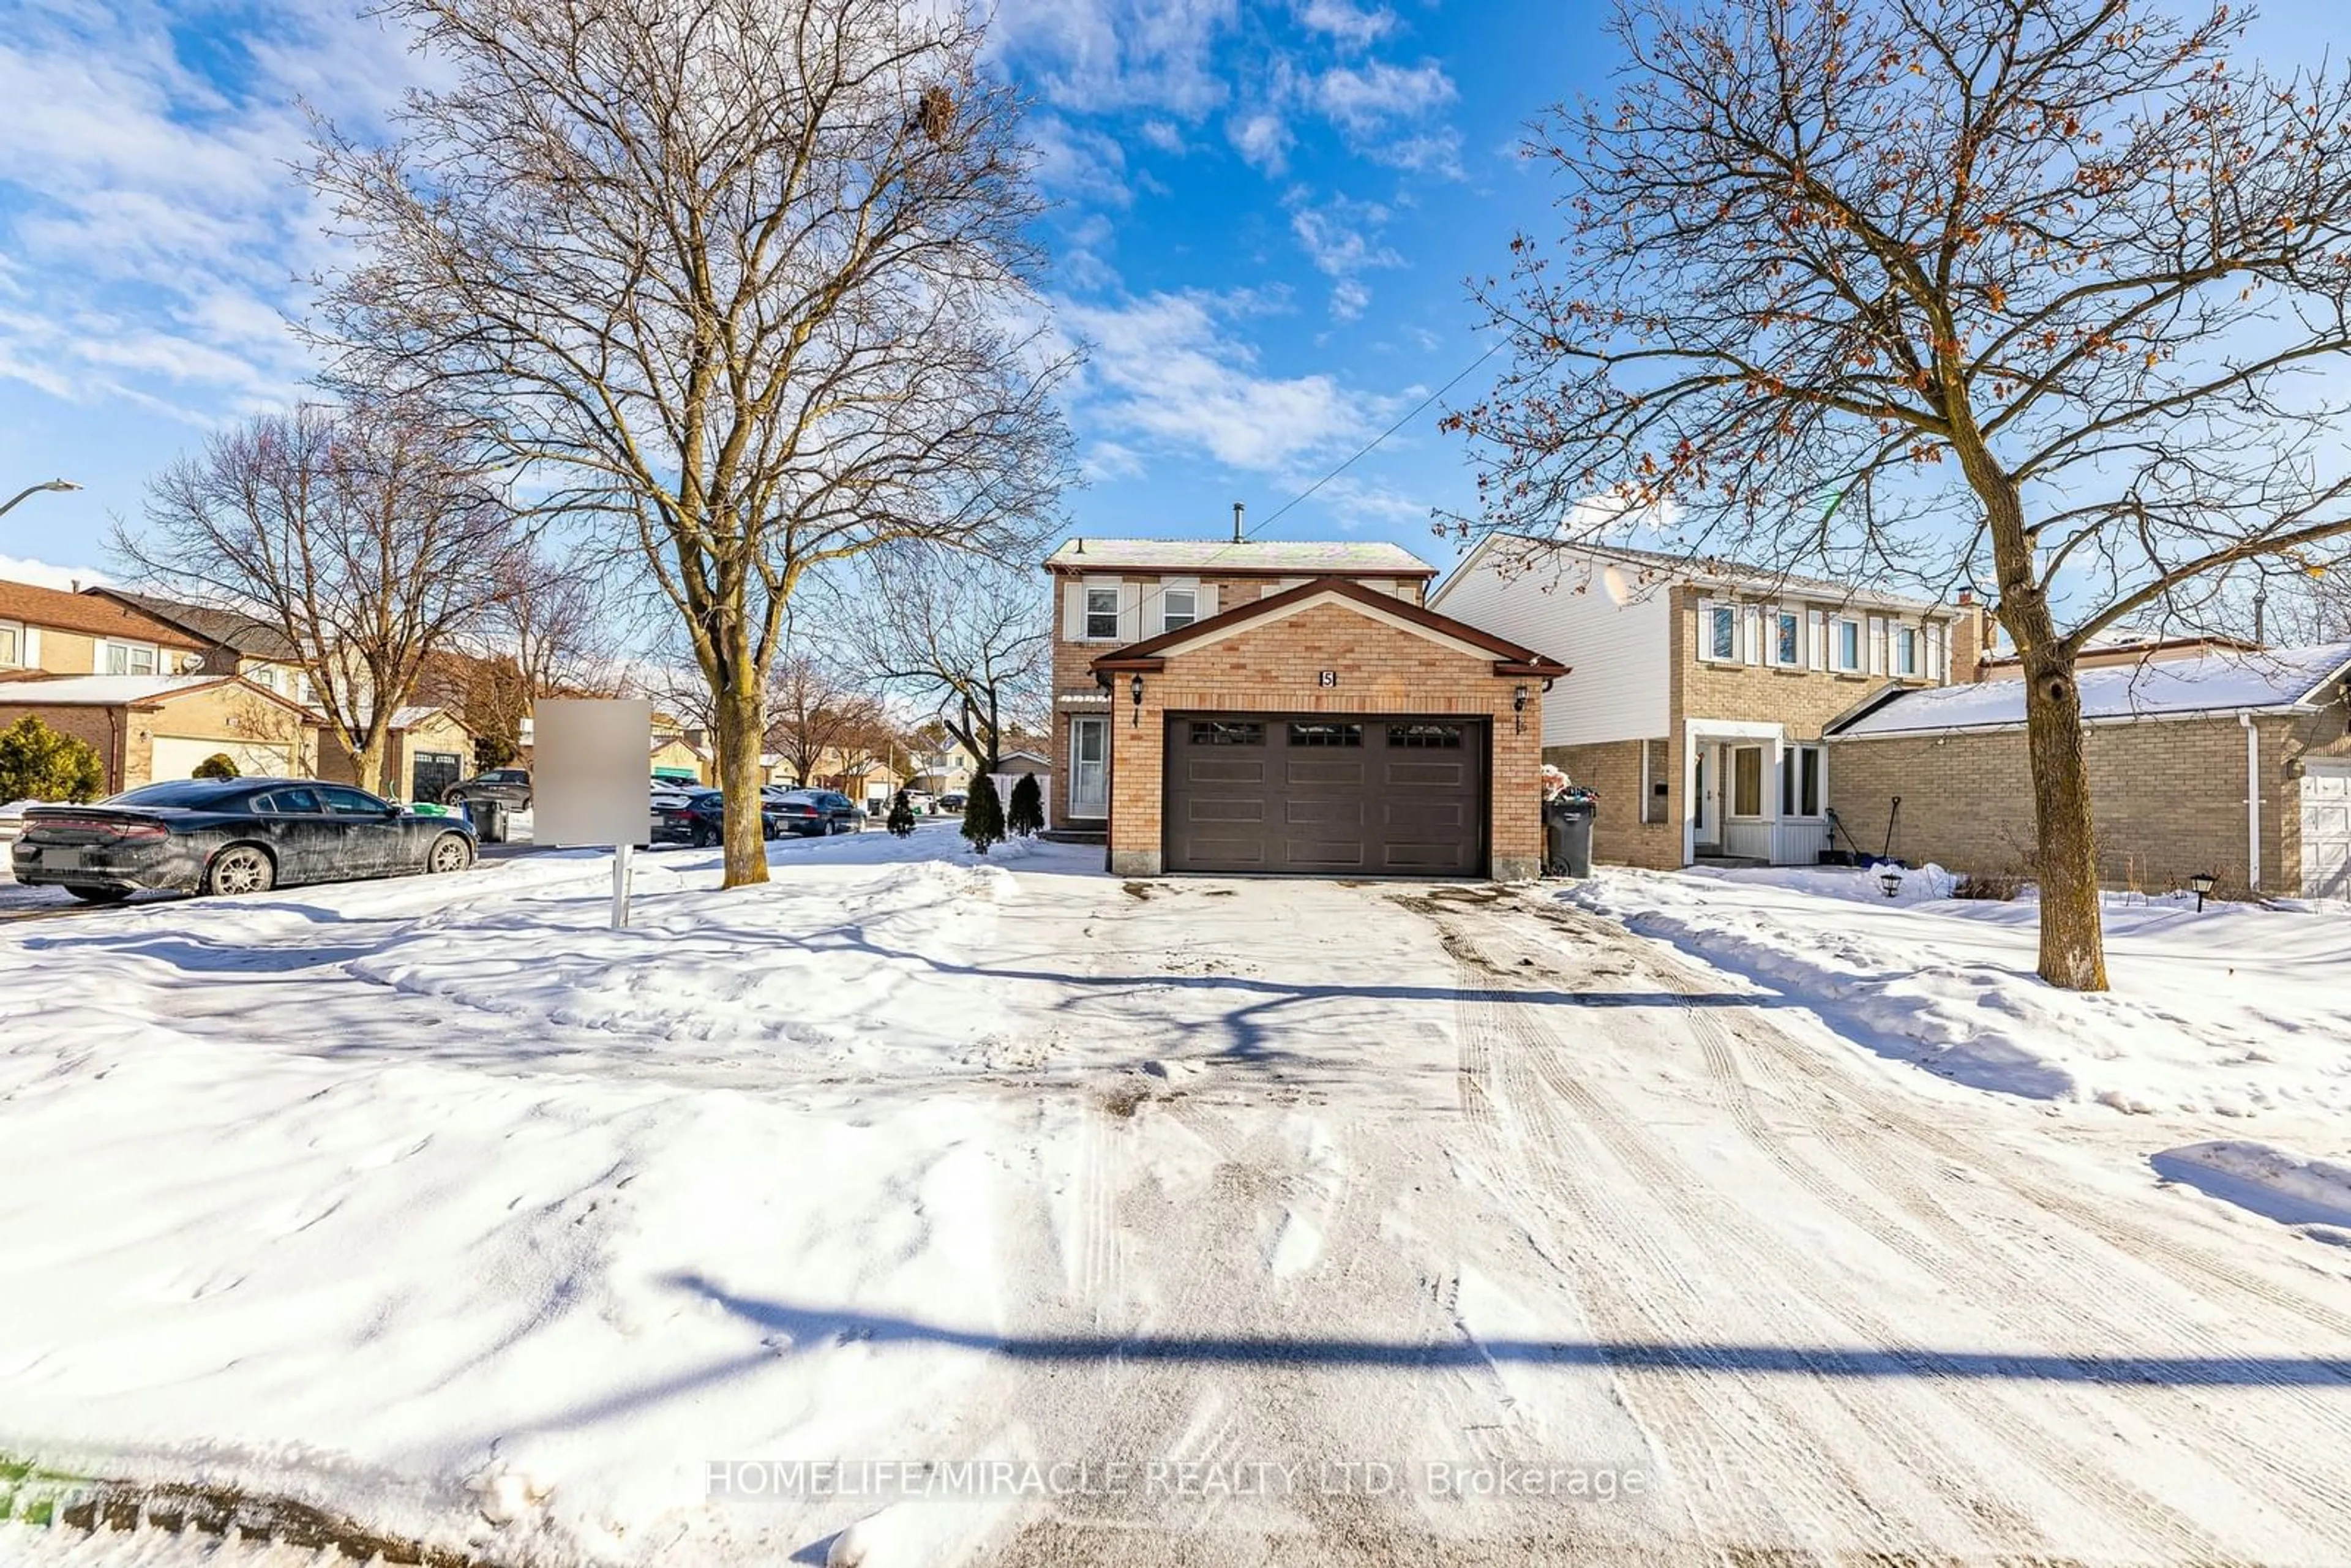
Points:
2202	882
1890	879
1135	690
1519	707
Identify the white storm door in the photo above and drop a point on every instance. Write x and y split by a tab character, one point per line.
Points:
1088	767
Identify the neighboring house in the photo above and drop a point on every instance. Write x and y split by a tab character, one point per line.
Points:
1287	707
46	631
430	749
146	728
234	643
941	770
1701	686
677	759
2115	647
2232	761
1112	592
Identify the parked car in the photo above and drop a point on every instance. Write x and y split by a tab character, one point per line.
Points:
817	813
952	802
509	787
922	800
700	819
234	835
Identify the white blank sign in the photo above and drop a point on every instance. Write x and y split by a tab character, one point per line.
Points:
588	771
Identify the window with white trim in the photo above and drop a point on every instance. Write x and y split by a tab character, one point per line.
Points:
1800	773
1844	646
12	644
131	658
1788	640
1906	650
1178	607
1102	614
1719	632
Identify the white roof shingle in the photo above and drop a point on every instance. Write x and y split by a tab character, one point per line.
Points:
100	690
1303	557
2217	682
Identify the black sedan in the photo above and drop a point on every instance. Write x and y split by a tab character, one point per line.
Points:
509	787
238	835
818	812
700	819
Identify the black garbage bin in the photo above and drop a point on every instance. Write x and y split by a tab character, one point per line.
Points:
490	820
1567	834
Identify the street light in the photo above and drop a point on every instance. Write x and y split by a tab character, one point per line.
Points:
35	489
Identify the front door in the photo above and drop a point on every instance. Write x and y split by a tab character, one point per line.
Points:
1089	768
2326	829
1706	800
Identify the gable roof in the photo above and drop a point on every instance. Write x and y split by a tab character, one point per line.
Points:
1711	571
230	629
2223	681
1247	558
87	615
123	691
1510	658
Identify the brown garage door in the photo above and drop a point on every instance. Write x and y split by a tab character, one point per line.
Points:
1364	797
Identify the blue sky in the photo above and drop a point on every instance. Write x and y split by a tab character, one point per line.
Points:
1267	214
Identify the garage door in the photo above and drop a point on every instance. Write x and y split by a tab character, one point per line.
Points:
176	757
1305	794
2327	830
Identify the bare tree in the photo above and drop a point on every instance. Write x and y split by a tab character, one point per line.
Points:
552	613
747	279
368	536
811	712
2046	291
972	636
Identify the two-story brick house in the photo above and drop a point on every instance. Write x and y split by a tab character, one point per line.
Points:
1289	706
1701	688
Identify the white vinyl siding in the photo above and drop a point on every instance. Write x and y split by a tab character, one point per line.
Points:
1619	645
1817	640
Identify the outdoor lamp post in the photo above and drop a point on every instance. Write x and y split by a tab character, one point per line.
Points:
1135	690
1890	879
2203	882
36	489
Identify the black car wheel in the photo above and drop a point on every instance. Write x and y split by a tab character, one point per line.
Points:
100	894
240	868
704	836
450	853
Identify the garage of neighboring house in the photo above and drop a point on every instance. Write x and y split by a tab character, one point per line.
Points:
427	750
1328	730
146	728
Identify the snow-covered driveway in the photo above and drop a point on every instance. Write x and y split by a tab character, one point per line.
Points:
1263	1219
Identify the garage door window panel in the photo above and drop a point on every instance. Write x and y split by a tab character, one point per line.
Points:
1326	735
1425	737
1221	732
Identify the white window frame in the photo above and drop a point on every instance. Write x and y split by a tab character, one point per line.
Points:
1169	620
1837	624
1707	622
16	659
1792	802
1087	613
1792	623
107	647
1078	726
1908	654
1732	752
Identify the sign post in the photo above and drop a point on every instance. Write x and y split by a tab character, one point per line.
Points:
588	779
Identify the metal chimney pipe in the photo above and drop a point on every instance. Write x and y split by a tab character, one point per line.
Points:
1239	509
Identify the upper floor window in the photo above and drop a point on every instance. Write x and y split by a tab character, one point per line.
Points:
1102	614
132	659
1178	607
12	644
1844	645
1720	631
1788	639
1906	658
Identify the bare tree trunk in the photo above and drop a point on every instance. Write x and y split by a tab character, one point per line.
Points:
2073	938
740	728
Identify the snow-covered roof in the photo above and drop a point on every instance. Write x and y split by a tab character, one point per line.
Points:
1660	567
101	691
2217	682
1305	558
414	715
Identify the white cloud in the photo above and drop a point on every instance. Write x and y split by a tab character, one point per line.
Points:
1101	55
1262	139
1348	23
1167	372
1348	297
1163	134
41	574
1366	100
1341	236
1071	161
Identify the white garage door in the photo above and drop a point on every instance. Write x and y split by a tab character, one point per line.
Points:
2326	829
176	758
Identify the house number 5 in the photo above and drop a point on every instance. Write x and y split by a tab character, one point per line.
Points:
1329	678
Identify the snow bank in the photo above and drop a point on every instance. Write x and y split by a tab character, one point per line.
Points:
2237	1010
2314	1194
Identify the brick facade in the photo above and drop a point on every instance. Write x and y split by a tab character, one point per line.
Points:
2169	798
124	736
1273	668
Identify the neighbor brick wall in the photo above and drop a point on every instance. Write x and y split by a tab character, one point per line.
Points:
103	728
2169	799
1612	771
1274	669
